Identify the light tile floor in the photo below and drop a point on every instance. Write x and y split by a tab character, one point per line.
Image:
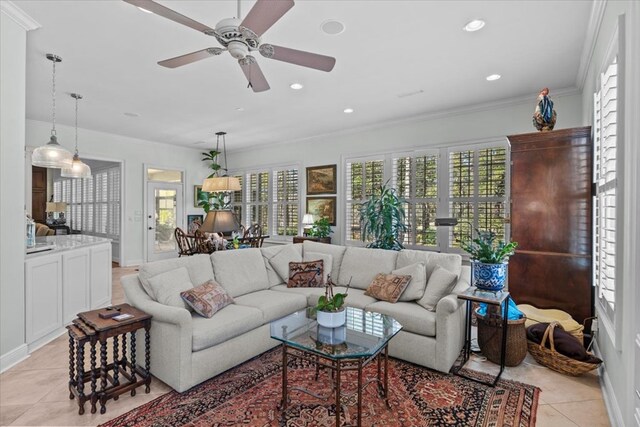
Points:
34	392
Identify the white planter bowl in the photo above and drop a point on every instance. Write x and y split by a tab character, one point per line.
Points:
332	319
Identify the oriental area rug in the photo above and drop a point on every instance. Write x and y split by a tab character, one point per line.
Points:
248	395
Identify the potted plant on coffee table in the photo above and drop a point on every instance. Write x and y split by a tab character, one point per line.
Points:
489	257
330	310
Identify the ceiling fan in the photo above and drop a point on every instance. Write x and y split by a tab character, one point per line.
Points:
240	38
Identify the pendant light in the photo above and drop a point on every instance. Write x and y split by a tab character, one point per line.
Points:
52	154
223	183
78	168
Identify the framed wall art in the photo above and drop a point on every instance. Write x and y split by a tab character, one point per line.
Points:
197	191
194	222
321	207
321	180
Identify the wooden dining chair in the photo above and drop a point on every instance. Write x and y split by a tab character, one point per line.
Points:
253	236
184	244
202	244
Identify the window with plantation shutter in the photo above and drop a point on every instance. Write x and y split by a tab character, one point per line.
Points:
605	135
477	191
415	177
258	200
285	202
364	178
237	198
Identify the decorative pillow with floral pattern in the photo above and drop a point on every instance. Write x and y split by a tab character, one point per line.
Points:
306	274
207	298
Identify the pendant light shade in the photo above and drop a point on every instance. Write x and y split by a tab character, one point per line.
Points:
52	154
77	169
225	183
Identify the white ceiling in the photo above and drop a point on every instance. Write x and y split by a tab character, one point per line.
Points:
389	48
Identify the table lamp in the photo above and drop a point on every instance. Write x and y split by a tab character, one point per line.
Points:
307	221
219	221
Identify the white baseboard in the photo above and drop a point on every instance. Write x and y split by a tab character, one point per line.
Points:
131	263
608	395
13	357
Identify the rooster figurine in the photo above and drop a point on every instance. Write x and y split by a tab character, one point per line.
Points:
544	118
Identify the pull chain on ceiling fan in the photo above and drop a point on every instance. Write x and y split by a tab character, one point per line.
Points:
240	38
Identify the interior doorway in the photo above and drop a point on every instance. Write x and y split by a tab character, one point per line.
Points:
164	212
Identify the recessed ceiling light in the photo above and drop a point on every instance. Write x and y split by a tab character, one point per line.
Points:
131	114
348	110
474	25
493	77
144	10
296	86
332	27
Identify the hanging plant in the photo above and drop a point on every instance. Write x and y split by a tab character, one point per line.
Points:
382	219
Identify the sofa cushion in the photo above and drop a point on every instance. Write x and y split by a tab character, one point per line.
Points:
388	287
311	294
273	304
167	286
207	299
415	289
198	267
356	298
411	316
280	261
240	271
363	264
268	253
336	252
230	322
327	261
440	284
306	274
452	262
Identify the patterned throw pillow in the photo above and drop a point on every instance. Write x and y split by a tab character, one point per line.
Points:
207	298
388	287
306	274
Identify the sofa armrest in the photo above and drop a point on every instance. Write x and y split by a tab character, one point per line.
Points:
137	297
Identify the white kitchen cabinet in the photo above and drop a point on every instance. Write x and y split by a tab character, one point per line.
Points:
100	275
76	275
43	295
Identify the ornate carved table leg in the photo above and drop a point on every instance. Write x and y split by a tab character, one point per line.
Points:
283	404
116	367
94	395
72	370
80	375
133	361
123	361
103	375
147	357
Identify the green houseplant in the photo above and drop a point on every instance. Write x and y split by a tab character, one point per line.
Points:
330	310
489	257
382	219
321	228
213	201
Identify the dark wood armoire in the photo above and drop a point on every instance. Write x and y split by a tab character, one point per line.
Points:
38	194
551	202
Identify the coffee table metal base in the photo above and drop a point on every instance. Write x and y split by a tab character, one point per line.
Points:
337	367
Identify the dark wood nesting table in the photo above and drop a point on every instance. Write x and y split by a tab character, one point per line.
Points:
121	374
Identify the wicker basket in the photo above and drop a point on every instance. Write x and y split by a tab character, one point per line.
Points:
490	338
550	358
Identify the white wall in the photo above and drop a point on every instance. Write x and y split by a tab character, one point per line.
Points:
492	121
13	39
619	365
134	153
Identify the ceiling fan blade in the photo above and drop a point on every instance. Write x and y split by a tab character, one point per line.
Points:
188	58
264	14
158	9
253	73
298	57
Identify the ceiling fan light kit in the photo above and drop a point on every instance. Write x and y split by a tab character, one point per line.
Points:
240	38
52	154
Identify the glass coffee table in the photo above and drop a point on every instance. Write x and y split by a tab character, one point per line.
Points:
363	339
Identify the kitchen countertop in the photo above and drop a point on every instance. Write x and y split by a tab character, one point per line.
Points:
61	243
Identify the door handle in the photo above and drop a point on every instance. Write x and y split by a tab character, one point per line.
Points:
150	228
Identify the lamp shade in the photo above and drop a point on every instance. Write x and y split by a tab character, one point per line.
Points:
78	169
219	222
56	207
51	155
221	184
307	219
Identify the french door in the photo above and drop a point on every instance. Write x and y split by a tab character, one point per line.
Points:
164	214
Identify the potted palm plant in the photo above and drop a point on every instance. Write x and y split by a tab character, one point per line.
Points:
321	229
382	219
330	311
489	257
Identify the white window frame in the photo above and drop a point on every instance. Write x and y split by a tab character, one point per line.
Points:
611	318
275	203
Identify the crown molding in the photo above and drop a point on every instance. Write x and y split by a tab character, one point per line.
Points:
19	15
591	37
452	112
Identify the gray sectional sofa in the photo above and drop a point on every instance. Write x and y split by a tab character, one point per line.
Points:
187	349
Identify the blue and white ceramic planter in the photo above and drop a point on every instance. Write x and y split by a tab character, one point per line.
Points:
489	277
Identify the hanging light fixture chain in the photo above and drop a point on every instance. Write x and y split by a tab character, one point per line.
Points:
224	147
76	98
53	97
